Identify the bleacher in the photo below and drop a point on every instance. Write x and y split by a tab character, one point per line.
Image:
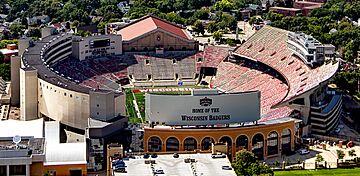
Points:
107	72
269	46
248	76
2	86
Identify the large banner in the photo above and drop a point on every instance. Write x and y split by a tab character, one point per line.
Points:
203	109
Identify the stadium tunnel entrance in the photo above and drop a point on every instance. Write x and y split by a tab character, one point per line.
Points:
206	73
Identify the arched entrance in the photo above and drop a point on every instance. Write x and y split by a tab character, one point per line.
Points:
206	143
172	144
227	139
154	144
190	144
258	146
273	143
242	142
286	141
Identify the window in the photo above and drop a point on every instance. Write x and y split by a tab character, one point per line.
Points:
86	45
76	172
147	62
149	77
97	113
199	59
70	95
97	105
64	94
174	61
86	51
131	76
176	76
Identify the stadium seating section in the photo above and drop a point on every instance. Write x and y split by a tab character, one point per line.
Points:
268	46
107	72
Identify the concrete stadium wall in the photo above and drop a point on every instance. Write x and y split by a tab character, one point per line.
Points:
68	107
150	41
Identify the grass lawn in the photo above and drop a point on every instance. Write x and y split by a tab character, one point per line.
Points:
337	172
162	87
140	99
172	93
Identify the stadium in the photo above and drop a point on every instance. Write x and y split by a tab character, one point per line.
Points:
80	81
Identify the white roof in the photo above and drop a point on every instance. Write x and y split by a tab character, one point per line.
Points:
52	132
65	153
62	153
34	128
6	51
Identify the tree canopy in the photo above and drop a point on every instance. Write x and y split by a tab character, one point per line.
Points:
246	164
332	23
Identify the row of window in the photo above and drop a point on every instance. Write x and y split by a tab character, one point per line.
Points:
102	49
65	94
147	49
174	61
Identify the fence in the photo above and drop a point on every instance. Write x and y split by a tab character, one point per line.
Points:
303	165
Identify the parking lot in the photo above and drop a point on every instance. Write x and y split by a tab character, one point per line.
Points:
204	165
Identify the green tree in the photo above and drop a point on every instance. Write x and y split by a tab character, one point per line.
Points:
76	23
3	43
246	164
255	20
319	158
340	154
109	11
5	71
101	27
175	18
351	49
36	33
17	30
212	27
1	58
352	152
201	14
224	5
217	35
227	21
198	27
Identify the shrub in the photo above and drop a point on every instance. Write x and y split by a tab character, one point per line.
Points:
340	154
352	152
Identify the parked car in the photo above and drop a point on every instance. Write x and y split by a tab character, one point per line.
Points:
176	155
117	162
154	155
304	152
146	155
159	171
218	156
226	167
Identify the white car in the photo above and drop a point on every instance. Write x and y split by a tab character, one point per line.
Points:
304	152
